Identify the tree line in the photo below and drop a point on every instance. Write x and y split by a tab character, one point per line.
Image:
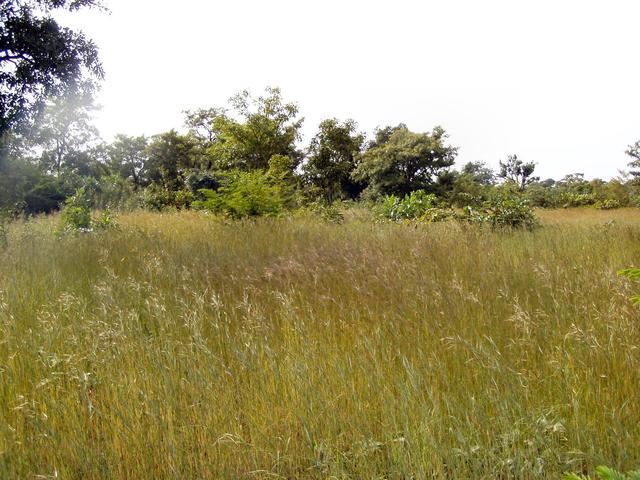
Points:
242	158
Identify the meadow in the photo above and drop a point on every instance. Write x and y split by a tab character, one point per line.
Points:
179	346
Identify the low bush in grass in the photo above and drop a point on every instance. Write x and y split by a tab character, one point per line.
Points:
578	200
410	207
158	198
504	211
509	212
76	216
607	204
244	194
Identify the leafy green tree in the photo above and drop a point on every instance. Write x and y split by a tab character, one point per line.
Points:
516	171
65	132
332	158
258	129
201	123
399	161
634	152
479	173
39	58
17	178
472	185
169	159
45	196
127	156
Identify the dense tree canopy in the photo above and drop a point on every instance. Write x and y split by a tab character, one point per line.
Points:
40	59
252	132
65	132
247	159
399	161
169	158
127	157
332	157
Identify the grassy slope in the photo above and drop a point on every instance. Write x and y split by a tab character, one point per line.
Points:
178	347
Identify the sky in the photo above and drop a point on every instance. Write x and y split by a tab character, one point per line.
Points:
556	82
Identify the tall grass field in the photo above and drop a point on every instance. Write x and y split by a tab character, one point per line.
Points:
179	346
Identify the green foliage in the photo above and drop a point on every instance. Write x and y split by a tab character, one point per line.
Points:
169	158
574	191
472	185
39	58
410	207
127	157
328	212
604	473
399	161
571	200
76	218
503	212
198	180
512	212
157	197
65	134
544	195
332	160
106	221
255	131
116	193
76	215
607	204
634	152
517	172
244	194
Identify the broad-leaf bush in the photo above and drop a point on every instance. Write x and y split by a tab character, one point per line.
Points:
510	212
244	194
410	207
76	215
159	198
507	209
608	204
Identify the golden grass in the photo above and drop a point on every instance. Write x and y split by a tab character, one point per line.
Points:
179	347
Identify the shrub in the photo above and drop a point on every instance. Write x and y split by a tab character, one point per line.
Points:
502	212
76	218
159	198
438	215
543	196
513	212
114	192
156	197
412	206
329	213
578	200
202	180
244	194
106	221
76	215
607	204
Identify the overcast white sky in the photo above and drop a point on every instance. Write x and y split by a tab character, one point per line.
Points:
557	82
